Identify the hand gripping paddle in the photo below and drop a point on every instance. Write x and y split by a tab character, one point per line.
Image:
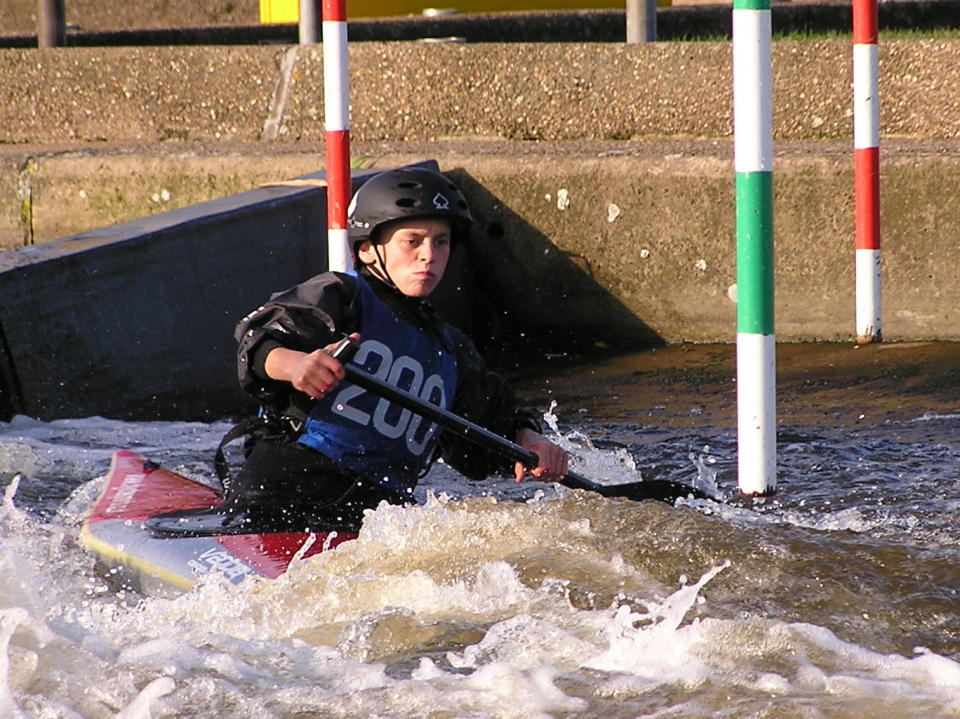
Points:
659	489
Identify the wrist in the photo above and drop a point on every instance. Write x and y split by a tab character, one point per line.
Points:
526	436
278	362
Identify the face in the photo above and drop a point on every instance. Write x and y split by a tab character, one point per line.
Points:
414	254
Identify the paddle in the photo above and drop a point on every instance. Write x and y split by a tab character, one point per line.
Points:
659	489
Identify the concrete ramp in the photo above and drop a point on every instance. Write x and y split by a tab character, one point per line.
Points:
136	321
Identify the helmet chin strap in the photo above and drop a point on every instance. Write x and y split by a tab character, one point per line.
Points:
379	268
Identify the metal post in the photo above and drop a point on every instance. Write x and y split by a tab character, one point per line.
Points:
51	23
866	171
336	101
753	165
309	22
641	21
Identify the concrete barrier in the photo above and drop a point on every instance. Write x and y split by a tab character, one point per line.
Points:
136	320
627	249
54	194
575	245
402	92
603	189
91	137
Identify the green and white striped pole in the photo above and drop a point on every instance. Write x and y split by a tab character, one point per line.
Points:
753	164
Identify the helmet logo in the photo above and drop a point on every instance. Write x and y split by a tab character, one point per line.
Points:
353	221
441	202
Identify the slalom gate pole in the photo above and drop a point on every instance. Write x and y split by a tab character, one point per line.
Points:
753	165
866	171
307	25
336	101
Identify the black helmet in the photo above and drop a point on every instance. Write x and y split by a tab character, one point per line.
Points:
404	193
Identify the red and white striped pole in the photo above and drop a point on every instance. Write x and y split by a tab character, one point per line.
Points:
866	170
336	101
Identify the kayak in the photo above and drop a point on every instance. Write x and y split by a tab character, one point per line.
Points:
137	500
152	528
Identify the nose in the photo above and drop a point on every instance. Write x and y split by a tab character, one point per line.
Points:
427	250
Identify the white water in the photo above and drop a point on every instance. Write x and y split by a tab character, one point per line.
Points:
477	607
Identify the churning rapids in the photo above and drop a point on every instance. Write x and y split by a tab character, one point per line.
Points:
837	597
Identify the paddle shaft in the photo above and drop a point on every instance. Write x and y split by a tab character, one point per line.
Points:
662	490
448	420
442	417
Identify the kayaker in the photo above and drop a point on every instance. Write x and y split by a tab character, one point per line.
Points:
324	449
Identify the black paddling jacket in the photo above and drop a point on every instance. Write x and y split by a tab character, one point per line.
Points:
320	312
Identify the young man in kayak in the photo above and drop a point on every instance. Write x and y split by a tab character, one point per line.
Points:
328	449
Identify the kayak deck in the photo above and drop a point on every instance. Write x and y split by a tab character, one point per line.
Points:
137	490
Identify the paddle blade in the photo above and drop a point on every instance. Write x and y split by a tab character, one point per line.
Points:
661	490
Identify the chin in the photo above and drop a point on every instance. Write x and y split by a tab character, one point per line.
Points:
419	294
417	289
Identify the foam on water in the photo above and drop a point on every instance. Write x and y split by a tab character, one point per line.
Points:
535	605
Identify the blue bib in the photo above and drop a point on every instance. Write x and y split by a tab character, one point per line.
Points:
385	443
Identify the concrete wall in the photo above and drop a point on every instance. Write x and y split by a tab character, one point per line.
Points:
645	249
136	320
402	92
638	139
61	193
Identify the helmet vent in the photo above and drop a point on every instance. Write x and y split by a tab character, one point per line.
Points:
408	202
408	185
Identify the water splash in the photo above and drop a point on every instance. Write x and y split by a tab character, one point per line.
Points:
647	644
706	478
603	466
